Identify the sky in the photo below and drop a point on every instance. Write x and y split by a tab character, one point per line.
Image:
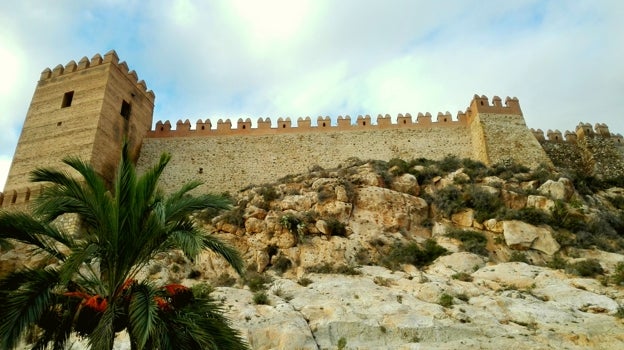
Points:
235	59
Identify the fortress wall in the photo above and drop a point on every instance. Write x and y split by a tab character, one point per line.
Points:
589	150
504	137
229	163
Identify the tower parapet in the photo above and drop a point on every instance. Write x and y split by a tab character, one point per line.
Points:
83	109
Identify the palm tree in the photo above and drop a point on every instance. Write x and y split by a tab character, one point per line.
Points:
93	288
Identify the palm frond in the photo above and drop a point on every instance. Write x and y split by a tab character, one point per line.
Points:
26	229
179	206
103	336
230	254
25	305
143	313
201	325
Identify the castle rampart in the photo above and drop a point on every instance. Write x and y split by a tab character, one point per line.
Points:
228	157
86	109
590	150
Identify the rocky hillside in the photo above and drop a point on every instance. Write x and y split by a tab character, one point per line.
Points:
420	255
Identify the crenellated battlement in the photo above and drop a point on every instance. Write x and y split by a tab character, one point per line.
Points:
18	198
481	104
97	60
583	130
266	126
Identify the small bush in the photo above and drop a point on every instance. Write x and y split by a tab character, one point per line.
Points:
282	264
304	281
445	300
268	193
329	268
256	281
620	312
529	215
557	263
449	163
201	290
261	298
290	222
517	256
325	194
347	270
412	254
617	201
462	276
472	241
398	166
449	200
485	204
618	274
234	216
336	228
225	280
586	268
380	281
342	343
194	274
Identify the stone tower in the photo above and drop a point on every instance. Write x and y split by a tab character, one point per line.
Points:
84	110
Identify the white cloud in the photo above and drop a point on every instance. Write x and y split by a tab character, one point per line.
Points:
297	58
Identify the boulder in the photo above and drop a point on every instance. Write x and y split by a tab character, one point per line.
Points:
540	202
519	235
562	189
387	210
406	183
463	218
514	200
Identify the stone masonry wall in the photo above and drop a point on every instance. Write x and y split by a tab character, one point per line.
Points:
506	137
229	163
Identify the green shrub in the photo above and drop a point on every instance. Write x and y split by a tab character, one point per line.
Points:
324	194
261	298
282	264
336	228
618	274
347	270
234	216
224	280
485	204
472	241
412	254
507	169
268	193
256	281
304	281
449	200
529	215
562	217
517	256
586	268
342	343
474	168
557	262
202	290
462	276
290	222
194	274
449	163
620	312
445	300
398	166
330	268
